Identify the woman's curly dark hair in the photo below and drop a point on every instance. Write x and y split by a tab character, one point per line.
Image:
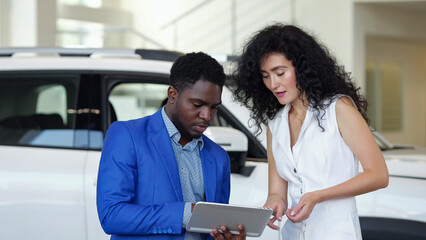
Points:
317	74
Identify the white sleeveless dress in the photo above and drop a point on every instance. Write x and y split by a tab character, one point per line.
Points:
320	159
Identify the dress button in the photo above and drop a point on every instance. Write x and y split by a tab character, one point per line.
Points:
295	171
301	191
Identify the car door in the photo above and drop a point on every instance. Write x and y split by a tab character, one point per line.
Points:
120	97
44	141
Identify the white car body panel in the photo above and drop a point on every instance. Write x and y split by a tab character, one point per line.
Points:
407	162
228	138
80	63
242	114
404	198
94	229
44	193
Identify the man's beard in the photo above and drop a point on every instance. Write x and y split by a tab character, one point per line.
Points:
184	132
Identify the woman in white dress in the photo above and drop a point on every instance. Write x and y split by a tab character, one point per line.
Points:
317	133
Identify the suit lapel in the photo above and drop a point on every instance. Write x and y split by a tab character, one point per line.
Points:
209	172
161	141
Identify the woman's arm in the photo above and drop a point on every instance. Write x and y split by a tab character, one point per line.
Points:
358	137
277	190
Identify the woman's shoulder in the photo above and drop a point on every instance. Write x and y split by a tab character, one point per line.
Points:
344	103
338	100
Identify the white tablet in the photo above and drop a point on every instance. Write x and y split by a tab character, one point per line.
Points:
206	216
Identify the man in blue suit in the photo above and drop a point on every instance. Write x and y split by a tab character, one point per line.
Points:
154	169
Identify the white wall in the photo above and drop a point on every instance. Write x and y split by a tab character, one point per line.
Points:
376	20
332	22
216	27
4	22
23	23
396	34
412	57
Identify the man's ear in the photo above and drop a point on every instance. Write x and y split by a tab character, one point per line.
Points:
172	94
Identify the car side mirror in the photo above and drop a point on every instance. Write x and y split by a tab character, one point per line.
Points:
235	144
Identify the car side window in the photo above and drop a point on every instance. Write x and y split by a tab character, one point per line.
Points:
136	100
41	110
52	99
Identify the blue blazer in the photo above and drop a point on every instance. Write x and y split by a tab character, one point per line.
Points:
139	194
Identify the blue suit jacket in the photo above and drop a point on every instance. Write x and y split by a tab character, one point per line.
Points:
139	193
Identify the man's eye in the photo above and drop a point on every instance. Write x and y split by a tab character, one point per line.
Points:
197	105
280	74
264	76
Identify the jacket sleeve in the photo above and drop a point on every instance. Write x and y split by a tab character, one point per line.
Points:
116	192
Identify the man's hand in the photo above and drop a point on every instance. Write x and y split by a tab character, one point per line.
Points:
226	234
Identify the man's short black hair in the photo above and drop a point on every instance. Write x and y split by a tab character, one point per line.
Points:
192	67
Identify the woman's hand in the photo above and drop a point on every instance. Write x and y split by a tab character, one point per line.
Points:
226	234
279	208
304	208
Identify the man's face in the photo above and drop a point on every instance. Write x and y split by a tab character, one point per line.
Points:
194	108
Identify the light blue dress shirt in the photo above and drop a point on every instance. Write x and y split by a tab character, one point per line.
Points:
190	171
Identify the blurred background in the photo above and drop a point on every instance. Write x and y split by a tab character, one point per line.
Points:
383	43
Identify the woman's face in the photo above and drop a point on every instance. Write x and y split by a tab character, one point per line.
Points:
279	76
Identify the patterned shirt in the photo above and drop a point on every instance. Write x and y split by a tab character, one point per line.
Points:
190	171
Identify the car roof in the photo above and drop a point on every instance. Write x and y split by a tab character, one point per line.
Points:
79	63
138	60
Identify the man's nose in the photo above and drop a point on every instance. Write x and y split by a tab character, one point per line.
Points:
206	114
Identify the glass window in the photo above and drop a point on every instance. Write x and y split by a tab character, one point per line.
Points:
384	94
136	100
41	110
52	99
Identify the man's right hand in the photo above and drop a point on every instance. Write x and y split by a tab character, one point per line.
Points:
226	234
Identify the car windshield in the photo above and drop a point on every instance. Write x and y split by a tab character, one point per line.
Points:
382	142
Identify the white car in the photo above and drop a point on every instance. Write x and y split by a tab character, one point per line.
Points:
55	108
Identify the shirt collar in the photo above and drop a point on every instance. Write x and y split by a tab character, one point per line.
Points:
174	134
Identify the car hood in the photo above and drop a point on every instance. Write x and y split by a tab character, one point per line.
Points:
406	154
408	162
